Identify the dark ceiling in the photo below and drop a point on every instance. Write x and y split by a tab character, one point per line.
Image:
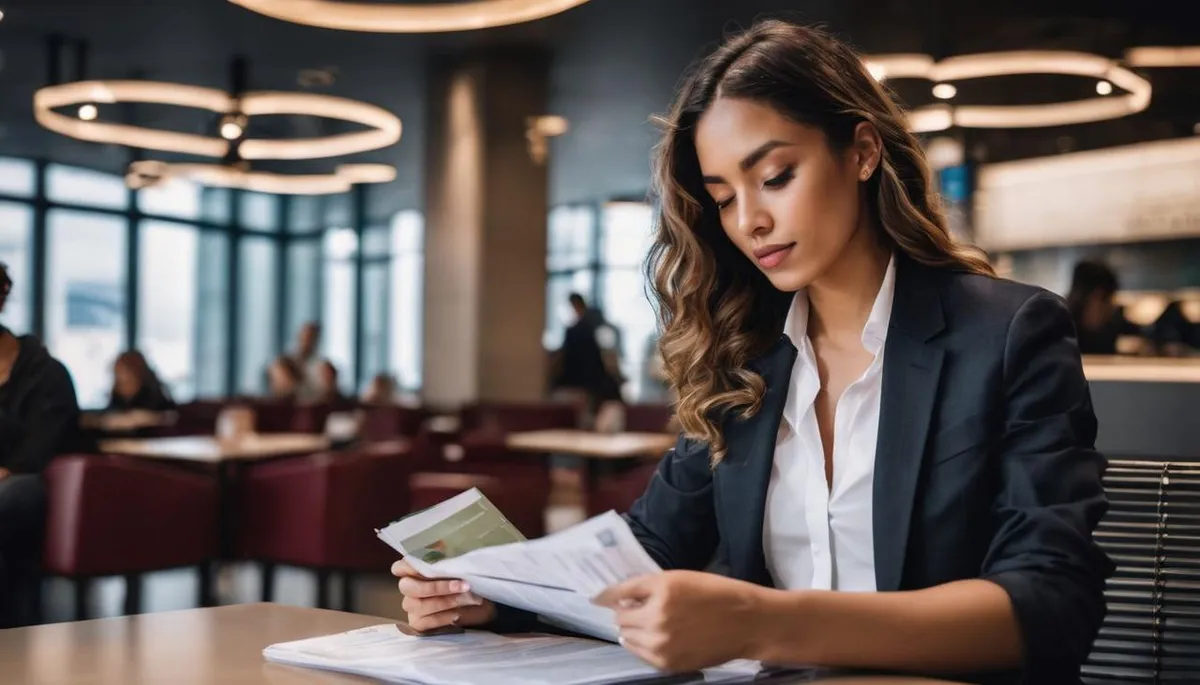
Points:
614	63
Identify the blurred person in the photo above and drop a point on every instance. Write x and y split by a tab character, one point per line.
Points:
581	362
805	278
1098	320
382	390
307	358
137	386
39	417
285	378
328	391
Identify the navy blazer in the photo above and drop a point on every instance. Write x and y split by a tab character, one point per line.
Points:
985	465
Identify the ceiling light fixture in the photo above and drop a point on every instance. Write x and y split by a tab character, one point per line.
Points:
149	173
408	17
233	126
1104	87
539	130
944	91
982	65
88	112
385	127
1182	56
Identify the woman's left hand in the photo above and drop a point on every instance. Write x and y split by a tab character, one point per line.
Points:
680	621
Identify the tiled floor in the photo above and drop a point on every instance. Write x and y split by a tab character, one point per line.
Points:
168	590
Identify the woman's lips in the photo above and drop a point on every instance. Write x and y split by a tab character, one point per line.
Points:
771	256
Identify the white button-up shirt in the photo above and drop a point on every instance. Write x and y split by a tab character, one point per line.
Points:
816	536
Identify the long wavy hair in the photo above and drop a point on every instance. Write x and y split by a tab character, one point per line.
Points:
716	310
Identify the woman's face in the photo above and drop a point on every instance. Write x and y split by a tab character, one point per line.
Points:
126	380
787	200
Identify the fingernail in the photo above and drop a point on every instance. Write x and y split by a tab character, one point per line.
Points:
454	621
457	586
464	587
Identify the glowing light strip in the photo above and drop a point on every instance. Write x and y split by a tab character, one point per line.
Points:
982	65
147	173
1186	56
408	18
385	126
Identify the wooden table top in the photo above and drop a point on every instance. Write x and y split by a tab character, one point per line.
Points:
208	449
207	647
592	445
128	420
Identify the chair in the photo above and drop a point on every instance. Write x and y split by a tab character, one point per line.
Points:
385	422
618	491
648	418
118	516
513	417
319	512
1152	531
286	417
198	417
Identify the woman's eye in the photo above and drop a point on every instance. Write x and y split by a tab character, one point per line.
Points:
722	204
781	179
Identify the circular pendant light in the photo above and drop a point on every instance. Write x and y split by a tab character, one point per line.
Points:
468	15
150	173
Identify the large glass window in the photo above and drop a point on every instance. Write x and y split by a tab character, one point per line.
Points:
175	198
16	233
627	236
167	303
303	286
17	177
259	212
570	263
85	187
339	292
257	311
405	303
212	322
375	319
85	297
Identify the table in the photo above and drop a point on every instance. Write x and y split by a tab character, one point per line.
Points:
592	445
128	421
211	450
209	647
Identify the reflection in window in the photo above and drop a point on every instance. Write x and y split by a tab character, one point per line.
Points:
212	322
405	306
85	298
167	303
627	236
77	186
175	198
257	311
16	232
18	177
340	289
303	286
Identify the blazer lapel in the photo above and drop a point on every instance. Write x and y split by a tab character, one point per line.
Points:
743	476
911	371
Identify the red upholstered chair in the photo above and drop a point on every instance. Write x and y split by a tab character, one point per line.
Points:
195	418
385	422
288	417
117	516
618	491
648	418
320	512
513	417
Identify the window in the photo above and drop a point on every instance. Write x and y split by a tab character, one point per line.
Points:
18	177
559	315
259	212
175	198
303	286
624	299
212	322
16	232
405	305
375	317
76	186
257	311
167	303
85	298
340	291
305	214
570	263
214	205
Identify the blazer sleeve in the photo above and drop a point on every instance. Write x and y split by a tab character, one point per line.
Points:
1051	496
675	519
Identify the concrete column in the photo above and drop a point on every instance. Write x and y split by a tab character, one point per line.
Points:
485	236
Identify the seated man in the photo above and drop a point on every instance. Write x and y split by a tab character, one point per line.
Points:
38	419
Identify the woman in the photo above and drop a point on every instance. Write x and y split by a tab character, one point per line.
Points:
1098	321
888	449
285	378
136	386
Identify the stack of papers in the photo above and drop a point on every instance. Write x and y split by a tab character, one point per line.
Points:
554	577
387	653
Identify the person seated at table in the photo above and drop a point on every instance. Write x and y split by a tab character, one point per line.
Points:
381	391
889	449
285	379
1099	322
38	420
136	386
328	391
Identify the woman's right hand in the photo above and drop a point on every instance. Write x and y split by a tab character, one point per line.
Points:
433	604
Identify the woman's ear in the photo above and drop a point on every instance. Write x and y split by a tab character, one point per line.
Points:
866	149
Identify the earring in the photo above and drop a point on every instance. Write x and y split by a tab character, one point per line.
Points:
866	173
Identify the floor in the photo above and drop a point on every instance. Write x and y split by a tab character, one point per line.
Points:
170	590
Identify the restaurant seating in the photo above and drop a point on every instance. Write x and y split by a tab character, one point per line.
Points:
648	418
116	516
198	417
1151	632
385	422
618	491
319	512
513	417
288	417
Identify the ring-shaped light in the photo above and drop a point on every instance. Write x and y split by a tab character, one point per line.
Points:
407	17
145	173
385	127
983	65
